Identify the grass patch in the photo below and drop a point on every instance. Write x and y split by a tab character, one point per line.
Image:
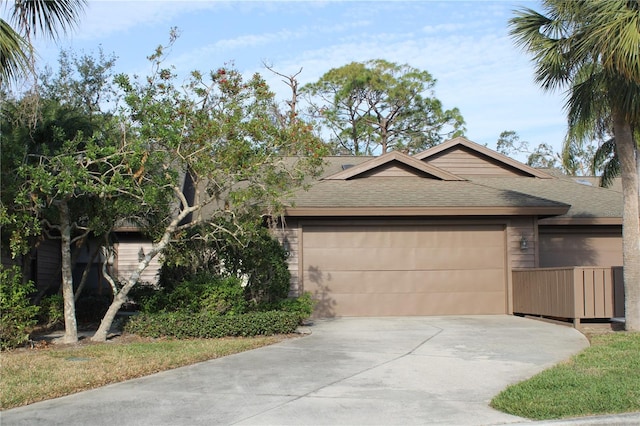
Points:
602	379
28	376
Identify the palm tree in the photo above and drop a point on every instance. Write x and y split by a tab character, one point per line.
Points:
32	18
605	158
592	48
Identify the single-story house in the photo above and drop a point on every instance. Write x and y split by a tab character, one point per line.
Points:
440	232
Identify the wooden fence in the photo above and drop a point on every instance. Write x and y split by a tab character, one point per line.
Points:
574	292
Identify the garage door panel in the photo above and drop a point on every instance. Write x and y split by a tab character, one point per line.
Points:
405	270
480	303
408	237
356	259
368	282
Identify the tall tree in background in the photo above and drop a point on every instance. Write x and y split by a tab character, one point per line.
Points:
591	48
574	160
32	18
379	106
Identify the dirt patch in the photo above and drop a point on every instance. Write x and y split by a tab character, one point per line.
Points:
47	338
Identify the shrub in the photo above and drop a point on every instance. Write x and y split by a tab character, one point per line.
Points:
252	255
203	292
17	314
225	297
148	299
301	306
51	313
262	260
184	325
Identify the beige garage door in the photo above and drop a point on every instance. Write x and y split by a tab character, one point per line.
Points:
405	270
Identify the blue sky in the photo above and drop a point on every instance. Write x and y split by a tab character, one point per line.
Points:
464	45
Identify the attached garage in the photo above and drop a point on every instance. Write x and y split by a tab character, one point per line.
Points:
438	233
389	270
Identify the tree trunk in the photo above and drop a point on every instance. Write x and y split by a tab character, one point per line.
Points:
626	149
70	324
121	297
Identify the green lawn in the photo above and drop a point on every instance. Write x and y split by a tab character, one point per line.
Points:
603	379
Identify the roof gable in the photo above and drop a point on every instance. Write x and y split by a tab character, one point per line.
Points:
466	158
394	164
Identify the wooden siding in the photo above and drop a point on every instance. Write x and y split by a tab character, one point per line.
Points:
127	261
571	292
463	162
522	227
292	234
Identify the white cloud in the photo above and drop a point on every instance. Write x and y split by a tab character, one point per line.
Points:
104	18
443	28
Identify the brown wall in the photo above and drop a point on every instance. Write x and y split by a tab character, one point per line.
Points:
292	232
516	229
461	162
580	246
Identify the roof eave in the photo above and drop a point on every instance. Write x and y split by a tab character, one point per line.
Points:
424	211
580	221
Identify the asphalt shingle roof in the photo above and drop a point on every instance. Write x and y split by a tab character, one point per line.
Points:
585	200
413	192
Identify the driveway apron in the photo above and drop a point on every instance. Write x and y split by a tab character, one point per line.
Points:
386	371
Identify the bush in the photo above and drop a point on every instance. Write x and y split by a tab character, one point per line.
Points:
252	255
301	306
51	313
17	314
184	325
203	292
262	260
226	297
148	298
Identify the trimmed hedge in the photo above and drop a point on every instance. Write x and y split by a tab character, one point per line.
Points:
182	325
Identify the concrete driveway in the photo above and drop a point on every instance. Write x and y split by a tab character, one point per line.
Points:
416	370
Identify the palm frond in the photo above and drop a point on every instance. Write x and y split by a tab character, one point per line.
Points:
613	29
14	54
49	17
606	160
